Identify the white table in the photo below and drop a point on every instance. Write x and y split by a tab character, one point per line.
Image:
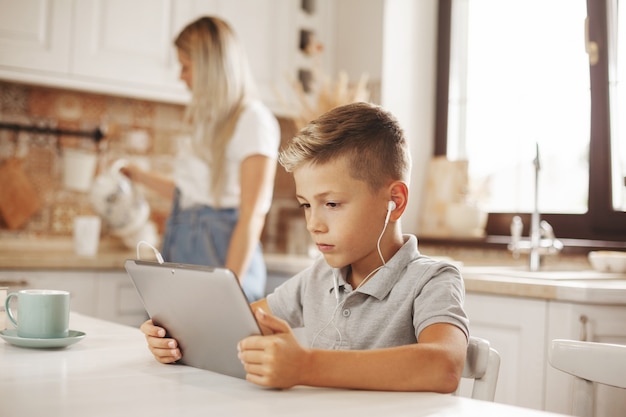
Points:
111	373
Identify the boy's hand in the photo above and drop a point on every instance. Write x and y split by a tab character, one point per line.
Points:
165	350
274	360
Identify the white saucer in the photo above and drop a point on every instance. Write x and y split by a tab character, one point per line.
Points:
10	336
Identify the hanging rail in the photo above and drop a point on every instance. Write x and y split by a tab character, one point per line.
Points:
95	134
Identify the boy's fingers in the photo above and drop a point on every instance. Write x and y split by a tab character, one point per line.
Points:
149	329
161	343
166	356
270	322
164	350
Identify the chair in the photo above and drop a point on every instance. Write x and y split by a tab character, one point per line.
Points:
482	364
589	362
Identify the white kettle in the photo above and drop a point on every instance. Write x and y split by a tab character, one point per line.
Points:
122	206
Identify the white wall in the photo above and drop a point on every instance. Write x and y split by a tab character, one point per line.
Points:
408	85
359	37
394	41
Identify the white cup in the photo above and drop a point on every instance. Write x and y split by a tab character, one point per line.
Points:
86	235
79	167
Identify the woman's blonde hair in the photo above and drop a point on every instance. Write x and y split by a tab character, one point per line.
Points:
220	86
368	136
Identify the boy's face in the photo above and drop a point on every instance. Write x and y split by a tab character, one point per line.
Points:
343	216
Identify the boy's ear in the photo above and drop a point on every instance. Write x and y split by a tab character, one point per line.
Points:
400	195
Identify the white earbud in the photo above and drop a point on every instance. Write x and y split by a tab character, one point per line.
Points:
391	205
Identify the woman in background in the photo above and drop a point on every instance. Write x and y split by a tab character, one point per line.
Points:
224	172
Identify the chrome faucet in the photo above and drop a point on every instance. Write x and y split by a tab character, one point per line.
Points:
542	240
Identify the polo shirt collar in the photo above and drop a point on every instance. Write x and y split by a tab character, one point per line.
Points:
385	279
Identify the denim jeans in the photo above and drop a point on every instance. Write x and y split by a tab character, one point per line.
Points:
201	235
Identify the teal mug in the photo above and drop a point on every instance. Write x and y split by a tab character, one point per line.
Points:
41	314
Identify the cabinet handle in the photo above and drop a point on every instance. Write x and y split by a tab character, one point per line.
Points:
583	327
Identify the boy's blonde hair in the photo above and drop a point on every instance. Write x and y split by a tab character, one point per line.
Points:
220	86
367	135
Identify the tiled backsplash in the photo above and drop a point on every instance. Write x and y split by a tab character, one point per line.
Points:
135	129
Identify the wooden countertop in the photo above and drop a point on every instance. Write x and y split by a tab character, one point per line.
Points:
578	283
58	254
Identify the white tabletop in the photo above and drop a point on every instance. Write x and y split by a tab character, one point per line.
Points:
111	373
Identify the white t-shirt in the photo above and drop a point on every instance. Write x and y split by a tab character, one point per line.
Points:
257	133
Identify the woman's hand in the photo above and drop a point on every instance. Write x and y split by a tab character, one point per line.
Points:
130	171
273	360
165	350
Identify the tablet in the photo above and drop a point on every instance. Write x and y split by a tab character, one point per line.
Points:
203	308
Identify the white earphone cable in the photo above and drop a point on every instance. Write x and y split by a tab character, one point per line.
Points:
379	254
156	252
336	286
331	321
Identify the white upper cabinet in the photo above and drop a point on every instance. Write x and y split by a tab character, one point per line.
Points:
129	42
125	47
35	35
267	30
113	47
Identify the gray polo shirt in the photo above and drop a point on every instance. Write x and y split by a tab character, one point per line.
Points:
408	294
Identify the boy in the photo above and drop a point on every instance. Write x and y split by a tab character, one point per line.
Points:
376	314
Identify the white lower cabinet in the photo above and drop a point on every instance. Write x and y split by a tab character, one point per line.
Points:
118	300
595	323
521	330
106	295
515	328
82	286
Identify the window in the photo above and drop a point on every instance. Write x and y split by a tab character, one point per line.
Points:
617	93
517	76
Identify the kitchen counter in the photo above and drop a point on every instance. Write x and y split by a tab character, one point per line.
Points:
112	373
582	286
576	283
58	254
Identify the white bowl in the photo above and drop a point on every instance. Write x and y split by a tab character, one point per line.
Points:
608	261
464	220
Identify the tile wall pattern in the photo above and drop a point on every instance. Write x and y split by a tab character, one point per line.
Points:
124	120
136	129
139	130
